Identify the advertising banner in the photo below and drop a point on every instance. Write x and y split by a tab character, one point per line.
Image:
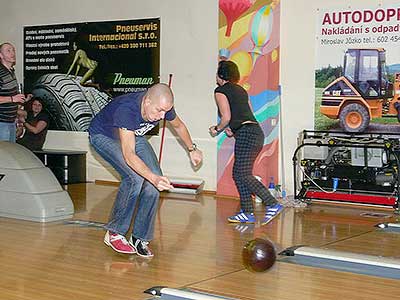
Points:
249	36
357	69
77	68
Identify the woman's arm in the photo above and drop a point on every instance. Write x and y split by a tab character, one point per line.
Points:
225	114
38	128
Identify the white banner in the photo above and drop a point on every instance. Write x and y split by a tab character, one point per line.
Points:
357	59
340	29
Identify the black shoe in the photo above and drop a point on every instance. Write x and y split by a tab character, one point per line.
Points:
141	247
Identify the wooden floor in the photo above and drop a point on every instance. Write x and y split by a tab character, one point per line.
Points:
194	247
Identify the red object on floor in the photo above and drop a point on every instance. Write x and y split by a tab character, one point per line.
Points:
357	198
185	186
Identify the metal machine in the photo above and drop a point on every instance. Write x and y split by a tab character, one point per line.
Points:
29	190
357	168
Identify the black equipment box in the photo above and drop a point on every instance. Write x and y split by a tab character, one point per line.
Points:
69	166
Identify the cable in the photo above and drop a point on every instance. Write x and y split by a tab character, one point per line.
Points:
319	187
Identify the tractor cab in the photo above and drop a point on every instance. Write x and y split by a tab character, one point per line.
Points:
366	70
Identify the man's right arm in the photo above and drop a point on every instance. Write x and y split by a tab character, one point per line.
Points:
127	138
19	98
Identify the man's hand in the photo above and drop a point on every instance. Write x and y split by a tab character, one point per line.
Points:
21	113
19	98
196	157
162	183
21	119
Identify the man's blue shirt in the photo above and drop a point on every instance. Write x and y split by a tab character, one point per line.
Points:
124	112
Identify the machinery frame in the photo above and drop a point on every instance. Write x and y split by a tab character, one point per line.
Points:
360	168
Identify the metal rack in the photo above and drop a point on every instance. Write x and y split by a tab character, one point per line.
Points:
360	168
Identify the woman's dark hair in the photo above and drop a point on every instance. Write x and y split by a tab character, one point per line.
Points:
38	100
28	105
229	71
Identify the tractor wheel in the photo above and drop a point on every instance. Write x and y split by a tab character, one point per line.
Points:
354	117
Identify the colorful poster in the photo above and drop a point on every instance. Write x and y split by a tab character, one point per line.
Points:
357	72
76	69
249	36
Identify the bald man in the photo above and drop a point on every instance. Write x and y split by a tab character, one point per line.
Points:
117	134
10	97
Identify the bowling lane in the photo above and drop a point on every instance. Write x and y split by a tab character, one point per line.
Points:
373	253
290	281
377	242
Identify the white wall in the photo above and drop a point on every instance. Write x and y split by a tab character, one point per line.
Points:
188	50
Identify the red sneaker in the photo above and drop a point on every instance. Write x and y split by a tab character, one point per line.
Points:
118	243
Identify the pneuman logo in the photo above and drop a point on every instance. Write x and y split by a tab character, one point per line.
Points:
120	79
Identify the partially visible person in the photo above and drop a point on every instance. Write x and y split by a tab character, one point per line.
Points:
117	134
10	97
237	119
34	127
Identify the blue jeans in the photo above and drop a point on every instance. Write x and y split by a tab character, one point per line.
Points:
134	192
8	132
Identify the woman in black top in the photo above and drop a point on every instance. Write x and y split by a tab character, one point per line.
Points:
237	119
34	127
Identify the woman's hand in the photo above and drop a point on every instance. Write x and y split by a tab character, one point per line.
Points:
212	130
228	132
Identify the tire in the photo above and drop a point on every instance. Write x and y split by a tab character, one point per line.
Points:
354	117
70	106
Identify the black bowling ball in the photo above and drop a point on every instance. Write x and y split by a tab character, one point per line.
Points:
258	255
